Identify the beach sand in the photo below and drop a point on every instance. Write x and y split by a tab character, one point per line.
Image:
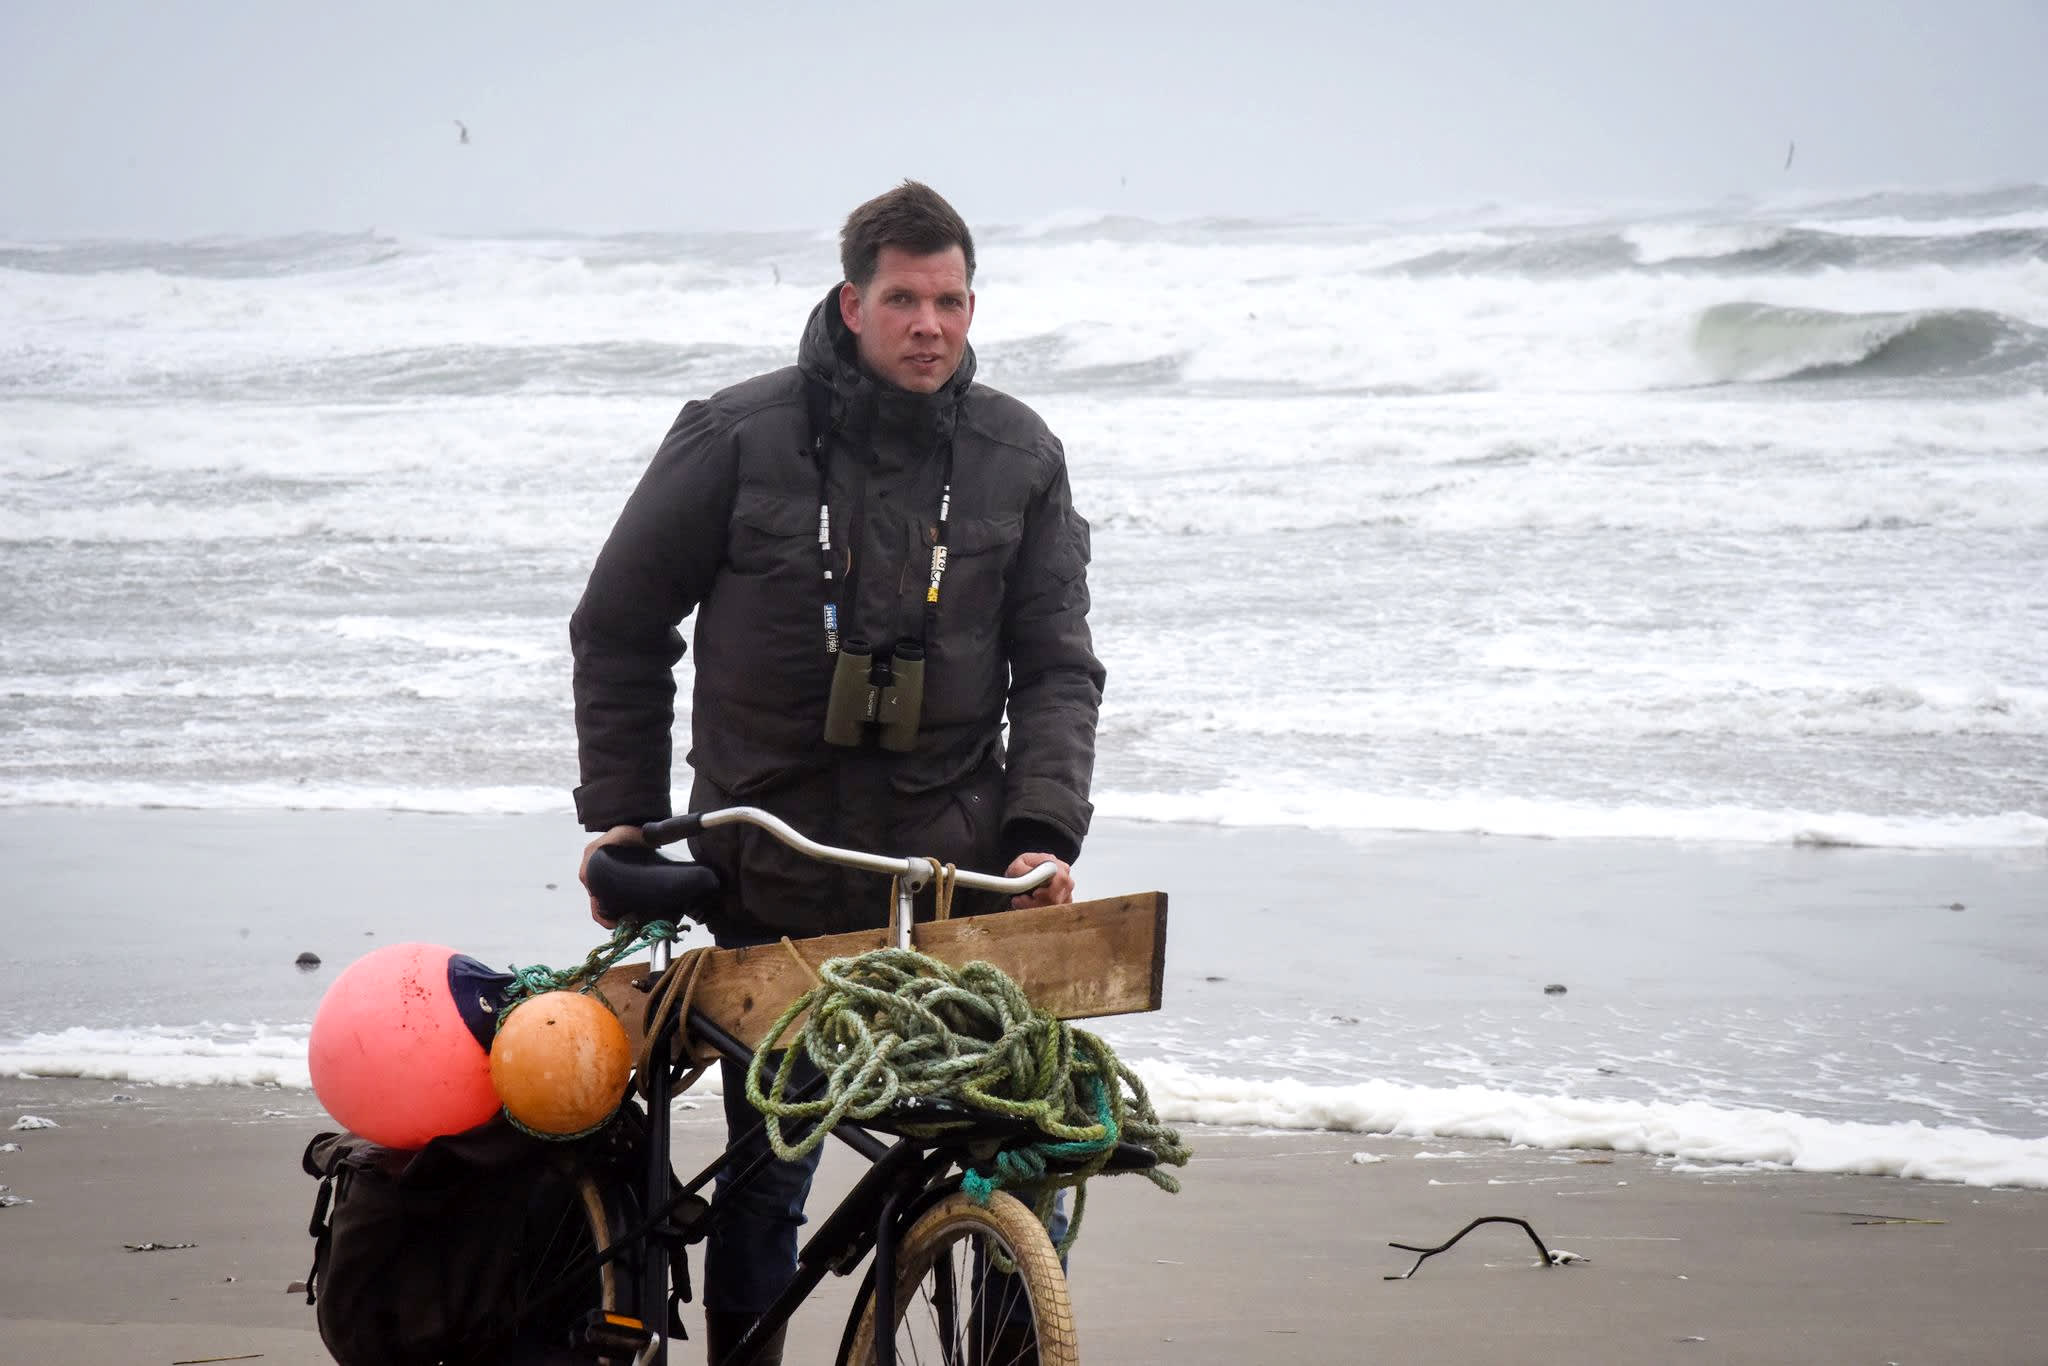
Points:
1275	1251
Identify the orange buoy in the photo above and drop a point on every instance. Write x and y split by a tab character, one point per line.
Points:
392	1053
560	1063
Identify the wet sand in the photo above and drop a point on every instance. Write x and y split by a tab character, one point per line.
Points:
1275	1251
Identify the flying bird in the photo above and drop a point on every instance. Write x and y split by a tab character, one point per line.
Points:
1790	149
462	130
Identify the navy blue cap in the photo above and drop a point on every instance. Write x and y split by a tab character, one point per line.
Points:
479	995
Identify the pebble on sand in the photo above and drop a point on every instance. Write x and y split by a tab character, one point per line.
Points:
1554	989
307	961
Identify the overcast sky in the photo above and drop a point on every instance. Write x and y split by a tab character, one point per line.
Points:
175	119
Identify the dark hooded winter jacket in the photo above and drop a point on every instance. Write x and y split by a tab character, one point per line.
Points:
725	523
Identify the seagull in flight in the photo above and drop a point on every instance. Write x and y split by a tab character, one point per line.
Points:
462	129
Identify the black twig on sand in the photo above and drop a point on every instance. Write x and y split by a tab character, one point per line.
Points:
1428	1252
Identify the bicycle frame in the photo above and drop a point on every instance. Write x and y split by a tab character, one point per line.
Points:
906	1178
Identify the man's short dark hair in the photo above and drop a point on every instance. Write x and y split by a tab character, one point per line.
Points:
913	218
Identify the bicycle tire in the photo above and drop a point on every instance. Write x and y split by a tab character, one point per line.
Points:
558	1282
939	1255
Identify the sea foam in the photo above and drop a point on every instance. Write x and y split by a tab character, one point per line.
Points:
1689	1132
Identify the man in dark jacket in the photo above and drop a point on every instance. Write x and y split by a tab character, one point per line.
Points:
872	495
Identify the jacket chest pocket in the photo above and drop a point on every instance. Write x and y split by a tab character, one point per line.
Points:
980	552
773	535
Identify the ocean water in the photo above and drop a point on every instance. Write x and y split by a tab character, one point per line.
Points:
1713	526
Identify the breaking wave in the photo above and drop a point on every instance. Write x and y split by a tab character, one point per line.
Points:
458	370
1727	249
1996	202
1751	342
211	258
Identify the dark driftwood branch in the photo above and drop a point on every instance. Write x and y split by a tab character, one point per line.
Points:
1428	1252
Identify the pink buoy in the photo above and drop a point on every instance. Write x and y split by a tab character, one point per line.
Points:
395	1055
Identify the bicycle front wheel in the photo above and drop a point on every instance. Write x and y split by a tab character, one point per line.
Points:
976	1285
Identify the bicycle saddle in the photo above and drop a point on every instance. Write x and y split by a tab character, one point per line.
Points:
632	882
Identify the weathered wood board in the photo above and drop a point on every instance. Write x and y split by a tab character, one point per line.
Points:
1079	961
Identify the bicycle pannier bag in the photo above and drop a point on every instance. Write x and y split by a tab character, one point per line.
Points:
428	1257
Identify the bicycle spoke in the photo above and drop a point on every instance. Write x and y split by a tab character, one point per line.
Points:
978	1286
965	1312
547	1264
558	1277
563	1259
977	1309
945	1313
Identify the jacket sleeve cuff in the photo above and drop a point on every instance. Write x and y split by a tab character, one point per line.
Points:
1037	837
602	805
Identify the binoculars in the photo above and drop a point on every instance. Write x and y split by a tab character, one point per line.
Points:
885	692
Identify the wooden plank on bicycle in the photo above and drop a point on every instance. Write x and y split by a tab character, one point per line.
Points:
1079	961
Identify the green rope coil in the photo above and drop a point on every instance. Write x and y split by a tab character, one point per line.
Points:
893	1025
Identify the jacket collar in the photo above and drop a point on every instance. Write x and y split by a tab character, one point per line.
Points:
864	407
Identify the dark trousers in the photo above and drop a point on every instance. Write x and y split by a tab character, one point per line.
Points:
750	1255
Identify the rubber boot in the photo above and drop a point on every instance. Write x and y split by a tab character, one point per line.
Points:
724	1328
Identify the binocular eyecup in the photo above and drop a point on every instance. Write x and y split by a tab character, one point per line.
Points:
902	699
884	691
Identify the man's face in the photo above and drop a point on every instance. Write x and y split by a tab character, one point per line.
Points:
911	319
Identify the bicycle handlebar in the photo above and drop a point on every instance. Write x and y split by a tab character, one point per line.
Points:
915	871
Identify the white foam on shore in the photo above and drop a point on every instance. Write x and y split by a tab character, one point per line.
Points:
1691	1131
286	795
1300	805
1319	808
227	1055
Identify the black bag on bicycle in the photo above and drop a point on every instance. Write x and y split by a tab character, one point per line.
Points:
479	1247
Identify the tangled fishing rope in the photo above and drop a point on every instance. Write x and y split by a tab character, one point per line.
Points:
894	1024
628	939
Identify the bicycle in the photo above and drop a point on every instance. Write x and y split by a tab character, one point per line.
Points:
954	1279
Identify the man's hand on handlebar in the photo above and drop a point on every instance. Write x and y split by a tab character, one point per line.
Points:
618	834
1057	891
